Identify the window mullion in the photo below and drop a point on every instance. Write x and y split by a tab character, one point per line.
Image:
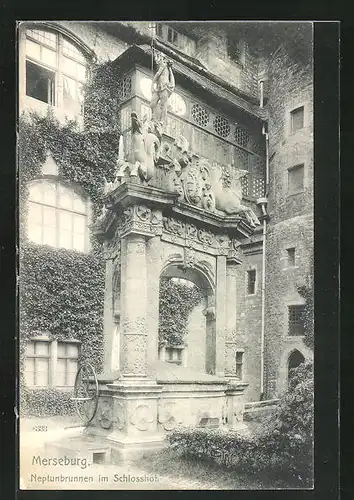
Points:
60	99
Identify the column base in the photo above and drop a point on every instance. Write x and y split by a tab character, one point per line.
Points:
127	418
126	448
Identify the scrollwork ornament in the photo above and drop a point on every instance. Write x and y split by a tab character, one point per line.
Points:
121	415
169	416
143	213
142	417
105	414
174	226
191	231
189	257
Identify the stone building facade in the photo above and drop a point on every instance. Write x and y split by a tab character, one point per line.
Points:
229	97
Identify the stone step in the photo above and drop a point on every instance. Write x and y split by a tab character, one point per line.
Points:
94	450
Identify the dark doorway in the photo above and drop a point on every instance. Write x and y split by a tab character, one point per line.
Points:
295	359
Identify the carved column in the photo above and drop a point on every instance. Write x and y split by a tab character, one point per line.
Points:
133	355
110	325
153	284
220	315
231	319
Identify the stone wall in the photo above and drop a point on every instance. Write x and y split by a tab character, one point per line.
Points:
196	338
105	46
291	216
248	331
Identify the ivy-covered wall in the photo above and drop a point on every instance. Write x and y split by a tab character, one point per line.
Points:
177	300
62	291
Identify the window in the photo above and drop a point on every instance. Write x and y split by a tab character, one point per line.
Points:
200	115
297	119
242	136
236	49
296	324
37	364
40	83
55	70
296	179
57	216
174	355
169	34
251	282
67	364
239	364
51	363
221	126
290	257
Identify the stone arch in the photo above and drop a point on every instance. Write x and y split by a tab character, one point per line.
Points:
282	380
201	275
295	358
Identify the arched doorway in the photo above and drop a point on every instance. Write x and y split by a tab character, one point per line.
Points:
187	319
295	359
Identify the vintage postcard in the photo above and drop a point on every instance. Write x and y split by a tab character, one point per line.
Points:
166	255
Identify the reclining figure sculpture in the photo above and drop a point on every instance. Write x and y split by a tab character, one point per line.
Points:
228	199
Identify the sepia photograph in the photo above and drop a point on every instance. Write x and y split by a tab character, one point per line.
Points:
166	255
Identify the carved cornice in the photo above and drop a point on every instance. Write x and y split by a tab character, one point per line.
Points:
129	204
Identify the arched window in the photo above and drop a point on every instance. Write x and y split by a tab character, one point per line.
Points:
295	359
55	70
57	216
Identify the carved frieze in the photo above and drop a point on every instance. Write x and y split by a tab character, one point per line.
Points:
139	218
217	243
174	226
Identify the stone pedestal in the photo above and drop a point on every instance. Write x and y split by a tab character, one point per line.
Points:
235	404
127	418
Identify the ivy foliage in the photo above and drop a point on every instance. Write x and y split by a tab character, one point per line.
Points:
102	99
47	402
306	291
281	449
83	158
177	300
61	294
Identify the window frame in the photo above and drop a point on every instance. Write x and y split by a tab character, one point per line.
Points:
182	42
67	358
290	334
292	112
255	283
35	356
293	106
57	183
290	169
288	253
52	361
61	35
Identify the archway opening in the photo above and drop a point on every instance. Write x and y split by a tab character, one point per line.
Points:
186	329
295	359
